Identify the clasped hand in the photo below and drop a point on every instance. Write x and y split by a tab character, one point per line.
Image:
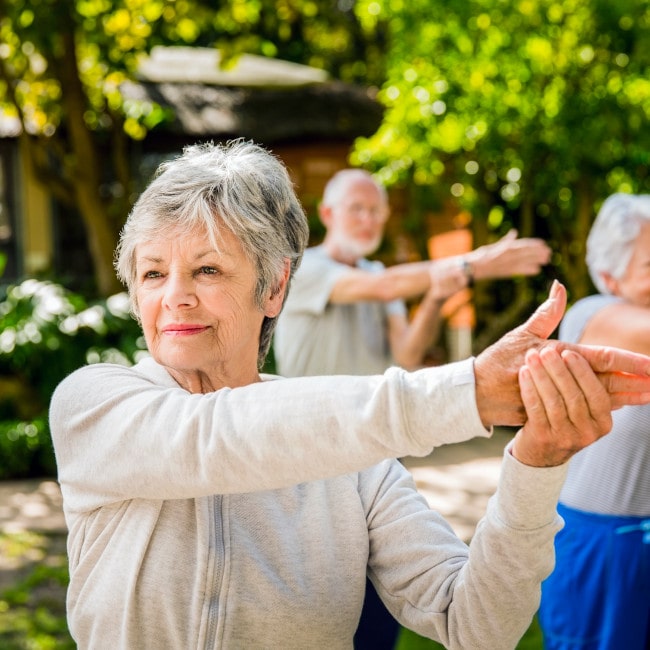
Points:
561	393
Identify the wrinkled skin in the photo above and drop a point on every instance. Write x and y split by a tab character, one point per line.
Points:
623	377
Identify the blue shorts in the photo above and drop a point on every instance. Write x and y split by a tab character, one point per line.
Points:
598	596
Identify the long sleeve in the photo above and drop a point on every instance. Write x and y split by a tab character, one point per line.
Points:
471	598
124	433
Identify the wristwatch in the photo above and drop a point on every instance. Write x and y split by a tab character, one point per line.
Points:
467	270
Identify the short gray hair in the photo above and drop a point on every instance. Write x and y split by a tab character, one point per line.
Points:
338	185
613	234
239	186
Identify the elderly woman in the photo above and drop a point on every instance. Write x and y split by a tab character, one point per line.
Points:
209	506
599	594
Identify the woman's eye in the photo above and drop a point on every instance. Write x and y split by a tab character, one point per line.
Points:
151	274
208	270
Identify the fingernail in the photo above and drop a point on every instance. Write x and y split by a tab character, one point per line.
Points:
555	287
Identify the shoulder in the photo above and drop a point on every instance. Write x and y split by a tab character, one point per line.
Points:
612	321
581	313
318	271
102	377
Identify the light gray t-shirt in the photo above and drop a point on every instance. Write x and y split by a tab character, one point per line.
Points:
316	337
611	476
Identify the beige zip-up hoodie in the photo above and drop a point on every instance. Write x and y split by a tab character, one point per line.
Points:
247	518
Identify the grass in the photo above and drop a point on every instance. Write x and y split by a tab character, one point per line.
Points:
408	640
34	576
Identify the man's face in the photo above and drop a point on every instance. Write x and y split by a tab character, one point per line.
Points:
356	222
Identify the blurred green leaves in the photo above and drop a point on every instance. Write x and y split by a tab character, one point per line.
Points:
538	107
46	332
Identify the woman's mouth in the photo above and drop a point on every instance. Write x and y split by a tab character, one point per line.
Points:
183	330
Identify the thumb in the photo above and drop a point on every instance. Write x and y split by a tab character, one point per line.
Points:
511	235
549	314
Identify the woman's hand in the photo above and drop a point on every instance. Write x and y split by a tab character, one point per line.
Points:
624	375
566	405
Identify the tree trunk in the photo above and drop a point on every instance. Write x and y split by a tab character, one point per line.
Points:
579	275
86	170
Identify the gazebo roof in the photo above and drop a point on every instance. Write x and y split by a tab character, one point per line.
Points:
260	98
256	97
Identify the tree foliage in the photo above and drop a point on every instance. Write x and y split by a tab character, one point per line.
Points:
523	112
526	112
62	63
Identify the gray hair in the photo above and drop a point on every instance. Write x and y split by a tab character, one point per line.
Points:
238	186
613	234
338	185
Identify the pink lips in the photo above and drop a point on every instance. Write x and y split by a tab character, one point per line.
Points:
183	330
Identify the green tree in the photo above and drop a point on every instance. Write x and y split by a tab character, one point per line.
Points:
526	112
62	63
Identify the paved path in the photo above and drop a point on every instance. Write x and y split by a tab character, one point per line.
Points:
457	480
31	505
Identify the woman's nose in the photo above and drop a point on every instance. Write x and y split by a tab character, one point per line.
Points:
179	291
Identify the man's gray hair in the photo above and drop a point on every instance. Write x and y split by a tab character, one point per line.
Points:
338	185
613	235
238	186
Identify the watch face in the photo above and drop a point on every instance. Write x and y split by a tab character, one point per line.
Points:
467	270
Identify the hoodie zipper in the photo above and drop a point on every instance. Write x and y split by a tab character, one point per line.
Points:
216	548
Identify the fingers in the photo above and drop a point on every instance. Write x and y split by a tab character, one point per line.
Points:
605	359
626	389
569	389
525	256
535	412
511	235
591	392
566	405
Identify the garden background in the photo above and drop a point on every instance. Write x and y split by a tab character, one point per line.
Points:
492	114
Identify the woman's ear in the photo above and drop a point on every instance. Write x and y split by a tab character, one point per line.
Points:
275	299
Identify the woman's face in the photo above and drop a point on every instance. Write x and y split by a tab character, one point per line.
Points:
198	310
634	286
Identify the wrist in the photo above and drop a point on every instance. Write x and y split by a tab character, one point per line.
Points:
468	271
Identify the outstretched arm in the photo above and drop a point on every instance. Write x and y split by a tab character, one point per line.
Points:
624	375
509	257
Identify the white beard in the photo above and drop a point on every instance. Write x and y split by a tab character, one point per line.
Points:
351	248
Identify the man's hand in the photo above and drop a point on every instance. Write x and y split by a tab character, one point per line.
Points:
624	375
566	406
509	257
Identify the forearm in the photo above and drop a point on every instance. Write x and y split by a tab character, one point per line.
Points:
495	585
423	330
406	281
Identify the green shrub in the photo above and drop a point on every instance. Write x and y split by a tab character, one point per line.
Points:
46	332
